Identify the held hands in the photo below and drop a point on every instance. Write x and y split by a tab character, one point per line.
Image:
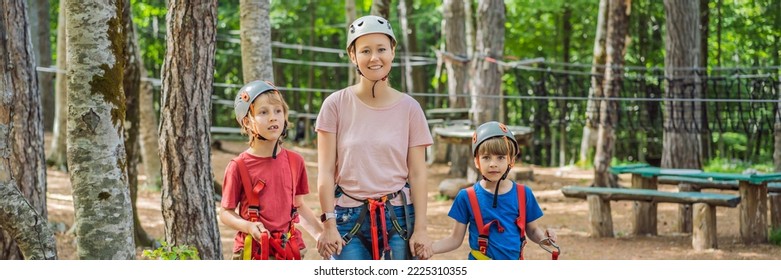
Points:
420	245
329	242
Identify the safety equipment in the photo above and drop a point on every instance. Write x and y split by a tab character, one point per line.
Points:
484	229
247	95
490	130
280	245
369	25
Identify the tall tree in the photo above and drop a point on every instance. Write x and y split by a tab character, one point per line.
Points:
598	60
413	76
381	8
682	147
350	16
617	29
256	41
486	82
39	29
96	115
454	33
58	153
22	167
777	58
131	85
188	197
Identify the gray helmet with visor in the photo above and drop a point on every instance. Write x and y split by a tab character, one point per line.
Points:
491	130
247	95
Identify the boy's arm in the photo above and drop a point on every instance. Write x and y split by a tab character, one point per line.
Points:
537	234
309	222
232	219
451	242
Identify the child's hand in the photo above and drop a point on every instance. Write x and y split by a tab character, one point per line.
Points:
255	229
329	243
550	237
420	245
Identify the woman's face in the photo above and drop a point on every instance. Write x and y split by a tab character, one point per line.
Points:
373	54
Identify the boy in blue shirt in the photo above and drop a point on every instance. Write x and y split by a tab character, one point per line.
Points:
498	227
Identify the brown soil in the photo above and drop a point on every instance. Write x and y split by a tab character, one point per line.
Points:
569	217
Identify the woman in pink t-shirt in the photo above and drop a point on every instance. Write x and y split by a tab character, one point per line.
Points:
371	142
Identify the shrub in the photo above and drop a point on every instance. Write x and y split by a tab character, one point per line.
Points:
169	252
775	236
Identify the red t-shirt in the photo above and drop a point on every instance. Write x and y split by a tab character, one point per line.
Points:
276	199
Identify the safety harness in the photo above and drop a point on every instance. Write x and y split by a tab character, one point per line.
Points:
484	229
280	245
376	208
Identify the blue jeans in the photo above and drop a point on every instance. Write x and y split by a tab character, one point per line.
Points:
346	218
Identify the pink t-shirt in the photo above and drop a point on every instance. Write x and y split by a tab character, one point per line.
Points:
372	144
275	199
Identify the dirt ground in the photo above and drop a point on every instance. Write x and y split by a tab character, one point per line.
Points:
569	217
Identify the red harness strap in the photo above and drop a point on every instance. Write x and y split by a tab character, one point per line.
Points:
484	229
281	244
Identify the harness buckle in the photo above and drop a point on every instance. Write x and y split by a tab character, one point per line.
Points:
482	243
254	213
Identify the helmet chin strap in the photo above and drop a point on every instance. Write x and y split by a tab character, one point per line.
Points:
496	188
257	135
375	82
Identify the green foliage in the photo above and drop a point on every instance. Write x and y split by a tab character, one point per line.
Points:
170	252
441	197
723	165
775	237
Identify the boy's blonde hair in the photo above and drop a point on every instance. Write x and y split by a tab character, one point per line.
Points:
497	146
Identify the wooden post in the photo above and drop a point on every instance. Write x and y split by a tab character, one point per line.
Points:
599	216
684	223
775	211
644	222
704	233
753	213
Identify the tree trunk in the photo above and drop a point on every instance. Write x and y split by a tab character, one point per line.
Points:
58	155
566	34
415	76
148	127
256	41
617	27
381	8
96	148
589	138
349	13
454	30
486	83
39	29
131	85
22	167
188	198
682	121
703	72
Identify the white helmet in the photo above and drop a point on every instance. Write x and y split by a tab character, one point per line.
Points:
369	25
247	95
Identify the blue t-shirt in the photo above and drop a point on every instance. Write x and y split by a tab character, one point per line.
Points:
501	246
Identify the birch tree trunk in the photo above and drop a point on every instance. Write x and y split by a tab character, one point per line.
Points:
617	28
24	231
131	85
58	154
598	61
188	198
96	114
39	29
256	41
486	83
682	147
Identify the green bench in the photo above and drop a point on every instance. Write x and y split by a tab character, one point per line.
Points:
600	218
688	184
